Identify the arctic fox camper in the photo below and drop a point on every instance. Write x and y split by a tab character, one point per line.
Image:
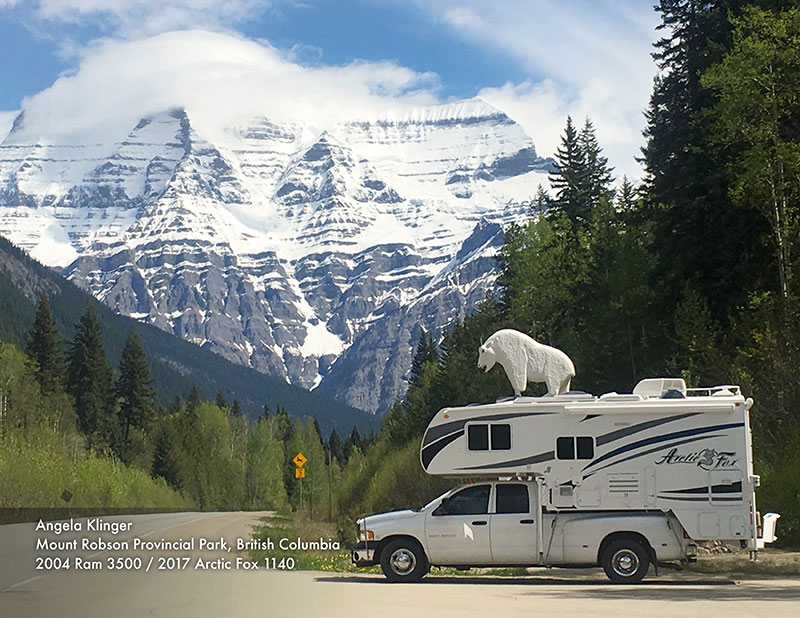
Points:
620	480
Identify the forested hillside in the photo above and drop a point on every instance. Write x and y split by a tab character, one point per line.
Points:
69	421
175	364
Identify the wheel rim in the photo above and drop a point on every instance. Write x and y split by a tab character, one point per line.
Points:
402	561
625	562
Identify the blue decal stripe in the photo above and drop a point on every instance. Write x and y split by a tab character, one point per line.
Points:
541	457
432	450
700	499
439	431
613	436
654	450
662	438
727	488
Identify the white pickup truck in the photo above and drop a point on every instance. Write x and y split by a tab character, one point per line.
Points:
501	523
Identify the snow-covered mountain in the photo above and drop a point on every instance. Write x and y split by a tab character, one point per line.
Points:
312	255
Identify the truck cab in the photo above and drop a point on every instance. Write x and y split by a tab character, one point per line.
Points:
500	523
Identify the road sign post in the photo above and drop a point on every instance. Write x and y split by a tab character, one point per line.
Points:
299	461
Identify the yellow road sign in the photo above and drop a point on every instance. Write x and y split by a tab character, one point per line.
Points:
299	473
299	460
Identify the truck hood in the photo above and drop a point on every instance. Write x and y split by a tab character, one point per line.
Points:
383	517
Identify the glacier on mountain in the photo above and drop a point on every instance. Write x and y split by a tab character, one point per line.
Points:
312	255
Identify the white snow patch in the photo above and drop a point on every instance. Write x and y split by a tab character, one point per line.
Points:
54	247
320	341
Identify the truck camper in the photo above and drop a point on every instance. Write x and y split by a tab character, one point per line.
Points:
621	480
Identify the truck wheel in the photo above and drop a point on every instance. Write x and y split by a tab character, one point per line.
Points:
403	560
625	561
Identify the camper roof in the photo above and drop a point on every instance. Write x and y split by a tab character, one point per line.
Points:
656	395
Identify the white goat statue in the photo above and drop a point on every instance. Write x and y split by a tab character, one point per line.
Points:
526	360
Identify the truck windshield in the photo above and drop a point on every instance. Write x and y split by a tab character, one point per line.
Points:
435	500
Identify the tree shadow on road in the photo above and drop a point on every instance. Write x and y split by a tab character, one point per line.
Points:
595	589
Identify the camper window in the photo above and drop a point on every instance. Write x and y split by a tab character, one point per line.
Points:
512	499
501	437
566	447
478	437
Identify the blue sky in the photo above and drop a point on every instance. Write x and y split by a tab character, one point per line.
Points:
538	60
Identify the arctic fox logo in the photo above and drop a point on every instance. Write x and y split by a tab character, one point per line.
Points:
707	459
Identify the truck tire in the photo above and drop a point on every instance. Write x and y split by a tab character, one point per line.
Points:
403	560
625	561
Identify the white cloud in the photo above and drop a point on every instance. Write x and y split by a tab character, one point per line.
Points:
585	58
141	17
220	79
6	121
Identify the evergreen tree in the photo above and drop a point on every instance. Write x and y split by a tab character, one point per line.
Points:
356	440
569	179
335	445
134	392
236	409
596	176
627	196
167	452
583	177
392	424
194	400
265	414
46	350
318	429
426	352
282	426
540	203
176	405
701	238
221	401
89	381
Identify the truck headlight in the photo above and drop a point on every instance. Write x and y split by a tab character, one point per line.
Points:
366	535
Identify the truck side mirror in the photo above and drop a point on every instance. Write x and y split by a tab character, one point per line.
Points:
443	508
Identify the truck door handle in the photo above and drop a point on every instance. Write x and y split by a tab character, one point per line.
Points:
526	521
480	522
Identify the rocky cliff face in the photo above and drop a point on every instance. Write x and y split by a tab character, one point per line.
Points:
313	256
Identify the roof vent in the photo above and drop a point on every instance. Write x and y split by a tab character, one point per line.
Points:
658	387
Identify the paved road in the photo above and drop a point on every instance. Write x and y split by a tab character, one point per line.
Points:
276	594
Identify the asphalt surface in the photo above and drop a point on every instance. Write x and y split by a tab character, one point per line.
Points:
201	592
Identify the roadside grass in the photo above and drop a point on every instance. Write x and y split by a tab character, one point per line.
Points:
297	526
37	469
771	562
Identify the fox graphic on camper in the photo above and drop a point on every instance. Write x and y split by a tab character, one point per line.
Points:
708	458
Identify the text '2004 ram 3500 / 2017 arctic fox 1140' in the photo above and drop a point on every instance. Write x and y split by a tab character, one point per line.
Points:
621	481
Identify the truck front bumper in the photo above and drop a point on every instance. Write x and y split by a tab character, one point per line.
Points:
363	553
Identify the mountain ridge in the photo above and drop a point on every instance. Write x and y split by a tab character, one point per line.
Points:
277	247
175	364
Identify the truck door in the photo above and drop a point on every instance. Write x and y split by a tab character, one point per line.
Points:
512	526
457	530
